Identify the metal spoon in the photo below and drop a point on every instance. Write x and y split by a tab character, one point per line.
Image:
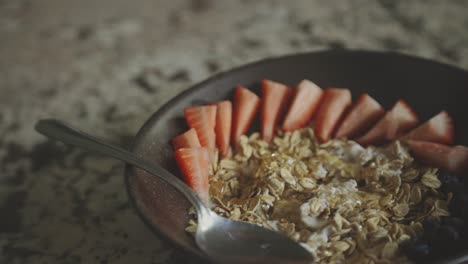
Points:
222	240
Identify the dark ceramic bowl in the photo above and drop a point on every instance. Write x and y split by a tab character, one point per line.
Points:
426	85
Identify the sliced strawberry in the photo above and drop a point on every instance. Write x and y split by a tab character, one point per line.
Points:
399	120
223	126
364	114
334	104
438	129
194	164
188	139
245	107
213	155
305	103
452	159
274	101
203	119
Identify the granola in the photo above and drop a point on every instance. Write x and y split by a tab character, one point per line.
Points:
339	200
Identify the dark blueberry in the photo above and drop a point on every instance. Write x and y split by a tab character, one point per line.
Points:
447	242
455	188
418	250
451	183
445	177
361	184
431	225
454	222
431	230
459	205
464	214
445	237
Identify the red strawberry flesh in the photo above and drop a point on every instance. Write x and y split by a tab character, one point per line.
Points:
438	129
245	106
188	139
399	120
452	159
364	113
334	104
223	126
306	101
274	100
203	119
194	164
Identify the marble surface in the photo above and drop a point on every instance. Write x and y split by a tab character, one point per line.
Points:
107	65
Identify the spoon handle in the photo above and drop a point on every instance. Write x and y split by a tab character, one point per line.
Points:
61	131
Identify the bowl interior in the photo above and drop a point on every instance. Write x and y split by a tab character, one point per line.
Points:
427	86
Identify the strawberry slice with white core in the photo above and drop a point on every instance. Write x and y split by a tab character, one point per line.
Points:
334	104
438	129
188	139
194	164
246	104
453	159
203	119
306	101
223	126
364	114
274	101
399	120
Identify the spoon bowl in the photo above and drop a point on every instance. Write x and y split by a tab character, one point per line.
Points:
219	237
222	240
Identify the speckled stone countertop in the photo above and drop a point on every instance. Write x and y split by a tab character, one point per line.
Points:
107	65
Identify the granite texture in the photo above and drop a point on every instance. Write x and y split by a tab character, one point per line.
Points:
107	65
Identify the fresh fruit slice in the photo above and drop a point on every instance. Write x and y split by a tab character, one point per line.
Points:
452	159
438	129
203	119
188	139
274	100
245	107
364	114
223	126
334	104
194	164
399	120
213	155
305	103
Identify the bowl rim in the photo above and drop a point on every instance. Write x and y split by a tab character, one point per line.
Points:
245	67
